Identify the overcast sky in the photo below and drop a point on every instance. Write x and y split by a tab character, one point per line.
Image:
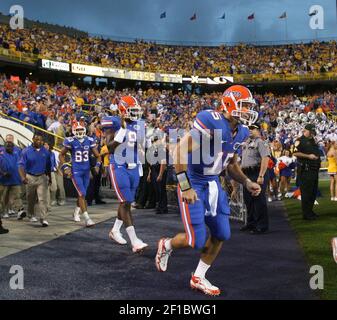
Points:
140	18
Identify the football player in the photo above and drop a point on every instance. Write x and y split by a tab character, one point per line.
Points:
125	138
202	200
80	147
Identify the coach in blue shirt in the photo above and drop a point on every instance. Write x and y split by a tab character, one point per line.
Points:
35	172
11	180
16	150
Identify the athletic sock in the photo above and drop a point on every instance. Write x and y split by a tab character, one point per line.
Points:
201	269
132	234
77	210
168	244
86	216
117	225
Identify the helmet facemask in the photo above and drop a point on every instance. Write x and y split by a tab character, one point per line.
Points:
243	111
79	132
134	113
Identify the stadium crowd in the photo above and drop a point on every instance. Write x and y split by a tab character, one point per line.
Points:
53	107
293	59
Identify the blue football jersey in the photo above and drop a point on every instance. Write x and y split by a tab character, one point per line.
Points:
80	152
128	153
217	145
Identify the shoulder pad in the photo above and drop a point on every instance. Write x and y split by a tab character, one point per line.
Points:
204	121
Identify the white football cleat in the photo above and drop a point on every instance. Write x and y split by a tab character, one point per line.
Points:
139	246
162	255
203	285
117	236
33	219
334	248
89	223
76	215
5	216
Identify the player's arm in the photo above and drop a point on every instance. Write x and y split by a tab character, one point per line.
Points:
180	156
63	166
236	173
114	139
98	158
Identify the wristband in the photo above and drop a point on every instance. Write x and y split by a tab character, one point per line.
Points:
98	164
183	181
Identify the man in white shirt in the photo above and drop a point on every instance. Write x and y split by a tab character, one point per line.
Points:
54	127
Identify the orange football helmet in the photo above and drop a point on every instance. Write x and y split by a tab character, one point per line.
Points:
237	101
129	107
79	131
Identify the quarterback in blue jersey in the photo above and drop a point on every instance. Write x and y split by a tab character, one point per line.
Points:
80	147
200	156
125	138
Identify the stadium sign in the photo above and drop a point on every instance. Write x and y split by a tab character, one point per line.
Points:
55	65
208	80
125	74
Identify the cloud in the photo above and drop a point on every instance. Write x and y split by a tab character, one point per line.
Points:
140	18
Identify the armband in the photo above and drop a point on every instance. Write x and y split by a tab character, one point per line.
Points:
98	164
183	181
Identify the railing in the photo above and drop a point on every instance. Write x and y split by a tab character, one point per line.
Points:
55	138
324	76
19	56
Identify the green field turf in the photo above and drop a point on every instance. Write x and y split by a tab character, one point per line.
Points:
315	237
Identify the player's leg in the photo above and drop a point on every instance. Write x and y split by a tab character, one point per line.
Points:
137	244
335	178
81	182
120	182
195	230
219	231
77	181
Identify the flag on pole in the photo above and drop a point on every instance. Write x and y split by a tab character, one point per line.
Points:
283	15
163	15
194	17
313	13
251	17
223	16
